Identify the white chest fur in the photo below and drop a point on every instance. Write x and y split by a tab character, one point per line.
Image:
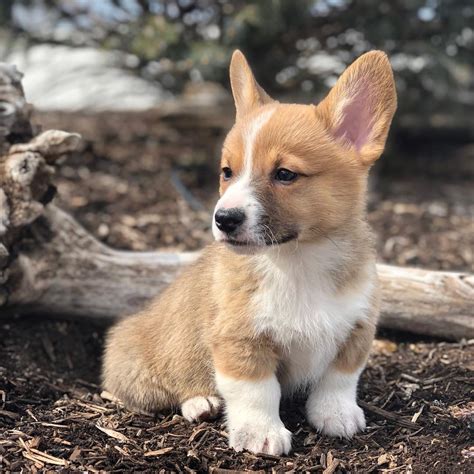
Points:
300	307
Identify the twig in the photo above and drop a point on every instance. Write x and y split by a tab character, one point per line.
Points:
332	467
410	378
388	415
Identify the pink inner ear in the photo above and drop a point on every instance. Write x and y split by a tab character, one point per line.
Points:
357	117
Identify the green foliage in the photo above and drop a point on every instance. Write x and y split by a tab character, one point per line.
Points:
297	47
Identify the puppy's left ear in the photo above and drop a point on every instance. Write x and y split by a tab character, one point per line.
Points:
359	108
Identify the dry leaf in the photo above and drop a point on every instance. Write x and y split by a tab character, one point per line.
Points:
40	457
382	346
468	453
75	454
9	414
158	452
196	433
108	396
417	414
463	411
113	434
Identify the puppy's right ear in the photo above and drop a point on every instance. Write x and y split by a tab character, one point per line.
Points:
247	93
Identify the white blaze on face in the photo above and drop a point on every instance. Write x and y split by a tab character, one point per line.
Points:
240	194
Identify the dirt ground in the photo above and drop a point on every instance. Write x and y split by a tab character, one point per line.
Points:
144	183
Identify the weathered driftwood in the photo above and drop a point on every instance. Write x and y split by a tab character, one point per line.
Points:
63	270
50	265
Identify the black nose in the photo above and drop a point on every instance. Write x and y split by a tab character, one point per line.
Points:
228	220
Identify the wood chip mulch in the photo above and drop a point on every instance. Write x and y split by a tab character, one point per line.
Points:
53	415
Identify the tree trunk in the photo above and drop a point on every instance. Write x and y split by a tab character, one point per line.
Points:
50	265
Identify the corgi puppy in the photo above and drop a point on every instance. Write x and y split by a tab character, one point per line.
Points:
287	297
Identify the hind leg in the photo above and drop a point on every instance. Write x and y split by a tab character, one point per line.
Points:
127	374
132	384
201	408
148	382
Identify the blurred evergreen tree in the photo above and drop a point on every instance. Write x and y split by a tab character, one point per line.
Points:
296	47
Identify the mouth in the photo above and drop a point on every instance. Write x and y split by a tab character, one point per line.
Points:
264	243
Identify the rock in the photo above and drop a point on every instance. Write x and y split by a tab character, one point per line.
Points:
83	78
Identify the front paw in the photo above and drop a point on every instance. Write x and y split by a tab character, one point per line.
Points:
260	437
338	417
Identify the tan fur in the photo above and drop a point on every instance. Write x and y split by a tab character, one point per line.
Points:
159	358
236	350
319	162
355	350
371	73
247	92
168	353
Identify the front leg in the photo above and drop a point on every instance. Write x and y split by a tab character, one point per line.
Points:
246	380
332	405
253	418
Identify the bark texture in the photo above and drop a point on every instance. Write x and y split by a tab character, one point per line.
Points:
50	265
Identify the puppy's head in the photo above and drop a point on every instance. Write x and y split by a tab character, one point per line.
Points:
299	171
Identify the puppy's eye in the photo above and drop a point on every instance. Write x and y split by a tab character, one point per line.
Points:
226	173
285	176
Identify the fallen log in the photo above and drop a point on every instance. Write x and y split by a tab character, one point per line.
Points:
50	265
